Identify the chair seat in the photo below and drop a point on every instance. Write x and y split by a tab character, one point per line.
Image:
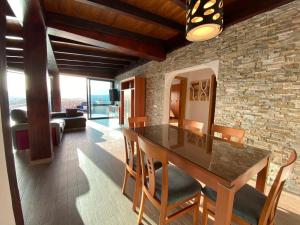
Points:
181	186
248	203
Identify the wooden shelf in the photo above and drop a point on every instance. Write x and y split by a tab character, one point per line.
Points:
132	98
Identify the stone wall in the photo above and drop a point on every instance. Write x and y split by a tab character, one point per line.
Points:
258	83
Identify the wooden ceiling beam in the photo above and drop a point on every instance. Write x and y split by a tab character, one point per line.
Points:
89	50
87	64
13	28
13	53
62	65
15	43
87	73
140	14
180	3
86	58
68	41
80	23
86	32
15	60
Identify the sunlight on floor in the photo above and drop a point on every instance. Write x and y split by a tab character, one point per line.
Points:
112	127
102	191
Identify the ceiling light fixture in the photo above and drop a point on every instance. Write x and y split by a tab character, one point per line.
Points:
204	19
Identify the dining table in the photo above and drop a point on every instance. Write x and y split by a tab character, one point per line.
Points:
221	165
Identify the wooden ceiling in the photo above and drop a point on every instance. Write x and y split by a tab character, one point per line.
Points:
96	37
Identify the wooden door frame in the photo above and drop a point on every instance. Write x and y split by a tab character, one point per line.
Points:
182	99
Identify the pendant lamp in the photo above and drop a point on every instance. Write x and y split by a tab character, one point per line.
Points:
204	19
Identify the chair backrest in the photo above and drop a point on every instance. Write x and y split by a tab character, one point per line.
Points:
194	126
228	133
131	148
268	214
150	153
137	121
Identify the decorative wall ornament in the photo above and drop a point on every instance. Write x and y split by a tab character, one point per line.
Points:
204	19
199	90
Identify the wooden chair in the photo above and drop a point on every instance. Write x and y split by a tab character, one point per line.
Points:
228	133
132	164
194	126
250	206
167	187
137	121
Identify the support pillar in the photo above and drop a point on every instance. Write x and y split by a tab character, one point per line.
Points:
36	71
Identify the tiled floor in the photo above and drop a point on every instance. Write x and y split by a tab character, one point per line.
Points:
83	184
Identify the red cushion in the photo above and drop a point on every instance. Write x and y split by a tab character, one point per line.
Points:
22	139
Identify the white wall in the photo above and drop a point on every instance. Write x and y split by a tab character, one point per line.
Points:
197	110
6	210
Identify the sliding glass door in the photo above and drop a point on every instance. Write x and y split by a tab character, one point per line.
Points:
98	98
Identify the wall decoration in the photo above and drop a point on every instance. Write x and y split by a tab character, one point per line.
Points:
199	90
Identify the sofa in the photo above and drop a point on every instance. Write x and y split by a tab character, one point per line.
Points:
73	119
60	122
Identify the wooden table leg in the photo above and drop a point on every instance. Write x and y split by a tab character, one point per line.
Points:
262	177
224	205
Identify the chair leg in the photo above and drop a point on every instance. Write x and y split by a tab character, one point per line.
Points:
163	215
137	192
204	213
125	180
196	210
142	207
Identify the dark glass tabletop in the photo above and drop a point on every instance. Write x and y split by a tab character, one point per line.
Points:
226	160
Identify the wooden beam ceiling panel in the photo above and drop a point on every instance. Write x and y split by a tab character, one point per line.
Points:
15	59
92	64
13	53
87	58
15	43
81	31
105	68
180	3
64	40
89	50
13	28
140	14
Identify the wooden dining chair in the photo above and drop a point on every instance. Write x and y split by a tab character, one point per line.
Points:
132	167
140	121
194	126
229	133
167	187
251	207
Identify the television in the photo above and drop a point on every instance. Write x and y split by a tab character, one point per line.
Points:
114	95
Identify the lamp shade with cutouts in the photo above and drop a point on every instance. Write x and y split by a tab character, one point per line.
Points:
204	19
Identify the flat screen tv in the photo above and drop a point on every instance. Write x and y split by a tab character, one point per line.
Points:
114	95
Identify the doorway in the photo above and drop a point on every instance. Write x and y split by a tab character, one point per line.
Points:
98	98
178	100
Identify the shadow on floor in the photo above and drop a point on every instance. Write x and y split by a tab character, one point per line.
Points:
49	192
